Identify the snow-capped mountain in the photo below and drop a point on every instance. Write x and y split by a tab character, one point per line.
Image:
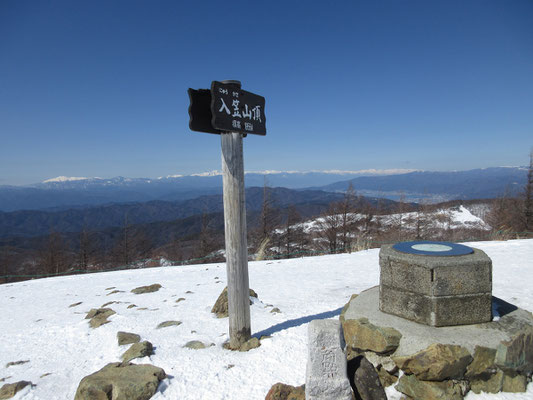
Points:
66	191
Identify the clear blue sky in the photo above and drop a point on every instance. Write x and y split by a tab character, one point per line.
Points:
99	88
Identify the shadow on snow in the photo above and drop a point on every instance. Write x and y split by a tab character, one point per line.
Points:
291	323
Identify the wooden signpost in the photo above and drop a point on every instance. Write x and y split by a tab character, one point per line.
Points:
228	110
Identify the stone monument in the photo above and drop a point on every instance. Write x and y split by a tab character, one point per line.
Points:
326	372
429	326
436	283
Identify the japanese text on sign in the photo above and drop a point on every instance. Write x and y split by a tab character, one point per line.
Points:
236	110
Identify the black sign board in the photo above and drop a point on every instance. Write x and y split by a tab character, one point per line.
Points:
200	111
237	110
226	108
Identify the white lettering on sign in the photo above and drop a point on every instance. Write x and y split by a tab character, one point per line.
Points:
236	112
246	113
224	107
256	111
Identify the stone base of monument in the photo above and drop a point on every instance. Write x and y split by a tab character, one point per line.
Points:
441	362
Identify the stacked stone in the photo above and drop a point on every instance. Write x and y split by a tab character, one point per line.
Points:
441	371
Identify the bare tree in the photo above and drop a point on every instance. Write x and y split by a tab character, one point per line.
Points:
368	212
206	241
53	256
422	219
398	219
330	227
269	219
292	234
86	250
506	215
348	208
122	247
528	197
123	250
5	264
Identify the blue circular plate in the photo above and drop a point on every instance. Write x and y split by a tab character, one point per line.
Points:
427	248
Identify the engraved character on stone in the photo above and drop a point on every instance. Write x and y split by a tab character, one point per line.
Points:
329	364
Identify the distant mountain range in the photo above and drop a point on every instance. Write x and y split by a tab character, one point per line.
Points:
69	192
438	186
27	223
66	193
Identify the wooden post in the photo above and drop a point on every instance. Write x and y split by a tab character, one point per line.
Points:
235	235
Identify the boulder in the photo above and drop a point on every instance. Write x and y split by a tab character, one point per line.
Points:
13	363
121	381
138	350
9	390
281	391
366	381
514	384
491	384
381	361
436	363
246	346
253	343
221	305
343	311
362	335
147	289
516	355
385	377
127	338
98	316
195	345
426	390
167	324
482	366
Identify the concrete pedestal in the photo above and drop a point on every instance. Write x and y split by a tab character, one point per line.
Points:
436	290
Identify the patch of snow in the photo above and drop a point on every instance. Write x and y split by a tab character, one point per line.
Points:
66	179
209	173
171	176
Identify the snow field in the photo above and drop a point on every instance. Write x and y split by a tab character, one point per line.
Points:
38	325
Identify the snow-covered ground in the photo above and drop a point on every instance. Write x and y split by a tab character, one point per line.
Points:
450	218
38	325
